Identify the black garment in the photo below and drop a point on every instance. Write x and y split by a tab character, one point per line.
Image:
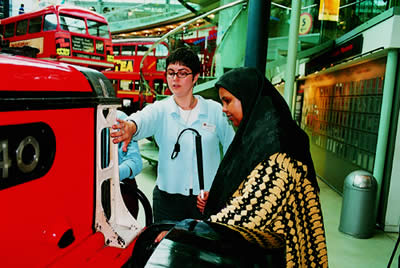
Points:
181	206
267	127
128	192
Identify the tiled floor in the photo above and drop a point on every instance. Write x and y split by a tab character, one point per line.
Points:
347	251
344	251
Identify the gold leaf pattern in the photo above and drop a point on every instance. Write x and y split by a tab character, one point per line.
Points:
277	198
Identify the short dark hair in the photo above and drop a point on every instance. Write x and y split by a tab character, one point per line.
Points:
186	57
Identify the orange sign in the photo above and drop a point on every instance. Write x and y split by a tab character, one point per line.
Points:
305	24
329	10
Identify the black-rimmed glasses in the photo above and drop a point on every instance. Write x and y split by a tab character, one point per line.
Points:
179	74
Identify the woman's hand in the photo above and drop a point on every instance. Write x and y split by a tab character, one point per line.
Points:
201	202
124	130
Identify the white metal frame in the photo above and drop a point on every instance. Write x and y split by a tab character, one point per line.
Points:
120	230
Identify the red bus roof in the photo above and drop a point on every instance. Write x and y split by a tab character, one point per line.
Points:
78	11
65	9
48	76
137	41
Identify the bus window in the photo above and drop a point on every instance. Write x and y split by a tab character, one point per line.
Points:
124	84
142	49
50	22
161	50
35	24
161	64
116	50
128	50
9	32
75	25
98	29
22	27
137	85
158	86
99	46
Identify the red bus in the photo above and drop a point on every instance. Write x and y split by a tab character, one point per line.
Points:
57	212
126	76
62	33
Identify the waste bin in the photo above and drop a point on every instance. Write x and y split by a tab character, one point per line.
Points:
358	206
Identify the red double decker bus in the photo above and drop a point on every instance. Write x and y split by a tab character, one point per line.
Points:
62	33
133	83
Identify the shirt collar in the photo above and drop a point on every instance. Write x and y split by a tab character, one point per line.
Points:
173	108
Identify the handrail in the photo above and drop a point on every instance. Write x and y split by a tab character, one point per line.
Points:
223	38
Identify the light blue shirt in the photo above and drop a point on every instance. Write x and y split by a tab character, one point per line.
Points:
163	121
129	160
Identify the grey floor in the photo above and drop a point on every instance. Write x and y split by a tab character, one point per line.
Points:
344	251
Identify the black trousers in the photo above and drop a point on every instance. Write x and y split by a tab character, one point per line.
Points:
174	207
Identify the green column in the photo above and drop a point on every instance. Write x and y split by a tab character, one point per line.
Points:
384	121
292	53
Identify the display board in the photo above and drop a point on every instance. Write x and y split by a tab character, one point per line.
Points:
341	113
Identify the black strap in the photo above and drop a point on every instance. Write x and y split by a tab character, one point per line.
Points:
199	154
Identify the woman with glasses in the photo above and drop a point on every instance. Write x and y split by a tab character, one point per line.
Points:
174	123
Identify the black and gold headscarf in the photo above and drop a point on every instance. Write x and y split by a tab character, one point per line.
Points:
267	127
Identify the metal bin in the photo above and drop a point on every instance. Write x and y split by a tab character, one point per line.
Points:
358	206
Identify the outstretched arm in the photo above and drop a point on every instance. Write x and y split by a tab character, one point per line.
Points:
124	131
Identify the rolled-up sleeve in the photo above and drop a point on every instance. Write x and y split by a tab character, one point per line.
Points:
130	161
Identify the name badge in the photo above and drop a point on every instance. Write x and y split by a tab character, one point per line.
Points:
208	127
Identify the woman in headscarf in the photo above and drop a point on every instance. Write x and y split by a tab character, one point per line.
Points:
266	181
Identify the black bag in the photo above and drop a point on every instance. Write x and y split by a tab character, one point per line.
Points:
131	195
